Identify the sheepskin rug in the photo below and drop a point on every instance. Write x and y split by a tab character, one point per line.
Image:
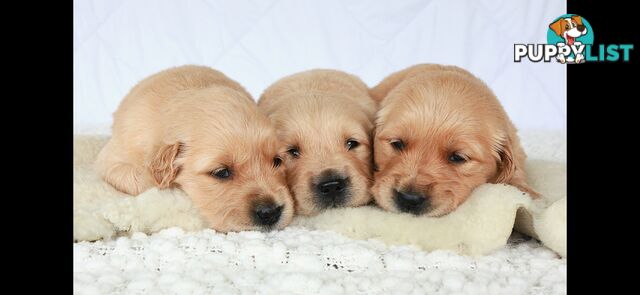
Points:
314	255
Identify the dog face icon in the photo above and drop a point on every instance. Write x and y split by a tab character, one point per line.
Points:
569	28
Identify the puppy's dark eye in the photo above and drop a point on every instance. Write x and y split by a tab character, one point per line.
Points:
397	144
277	162
566	27
456	158
294	152
222	173
352	144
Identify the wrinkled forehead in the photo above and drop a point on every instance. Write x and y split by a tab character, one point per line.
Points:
420	119
234	147
447	137
432	123
441	105
321	124
452	129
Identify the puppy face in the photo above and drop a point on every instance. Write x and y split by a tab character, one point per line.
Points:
569	28
231	167
439	136
329	151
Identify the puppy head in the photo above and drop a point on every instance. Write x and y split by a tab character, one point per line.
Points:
439	136
329	151
226	158
569	28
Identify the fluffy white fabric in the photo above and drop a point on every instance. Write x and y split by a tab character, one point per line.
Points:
482	224
301	259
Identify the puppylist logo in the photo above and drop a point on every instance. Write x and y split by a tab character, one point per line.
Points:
570	41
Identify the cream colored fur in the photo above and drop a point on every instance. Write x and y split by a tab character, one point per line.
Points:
482	224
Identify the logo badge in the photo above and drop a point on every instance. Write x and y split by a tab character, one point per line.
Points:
569	32
570	40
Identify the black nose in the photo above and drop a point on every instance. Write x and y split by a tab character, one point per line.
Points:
581	28
267	214
411	202
332	187
332	190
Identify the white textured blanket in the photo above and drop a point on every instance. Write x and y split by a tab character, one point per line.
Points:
298	260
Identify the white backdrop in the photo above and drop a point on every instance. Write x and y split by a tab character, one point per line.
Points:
116	43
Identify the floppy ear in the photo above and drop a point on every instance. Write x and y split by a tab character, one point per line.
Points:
506	164
510	170
557	27
163	168
578	19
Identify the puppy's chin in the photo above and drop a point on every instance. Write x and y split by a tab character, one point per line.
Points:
441	210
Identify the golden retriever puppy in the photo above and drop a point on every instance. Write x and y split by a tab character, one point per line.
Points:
193	128
325	118
440	133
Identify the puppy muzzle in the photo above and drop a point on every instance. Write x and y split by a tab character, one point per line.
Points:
411	202
266	213
331	189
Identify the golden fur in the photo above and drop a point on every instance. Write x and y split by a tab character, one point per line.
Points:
178	127
317	112
431	116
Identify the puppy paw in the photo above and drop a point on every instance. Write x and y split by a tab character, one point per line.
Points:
122	214
89	226
169	208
